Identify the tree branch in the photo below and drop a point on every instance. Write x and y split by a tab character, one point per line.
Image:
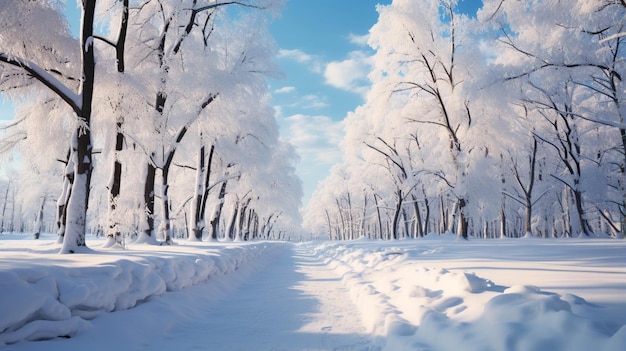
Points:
212	6
43	76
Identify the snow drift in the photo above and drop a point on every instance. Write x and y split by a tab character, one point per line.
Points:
46	295
413	307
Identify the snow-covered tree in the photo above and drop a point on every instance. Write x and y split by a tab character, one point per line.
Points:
36	45
167	73
573	78
507	123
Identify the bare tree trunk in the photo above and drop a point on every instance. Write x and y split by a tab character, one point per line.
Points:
502	221
218	212
202	192
452	215
462	221
418	218
622	180
241	219
330	231
196	208
230	229
362	226
81	140
148	232
247	230
350	218
396	214
407	230
443	228
426	230
567	222
114	235
165	201
207	186
39	220
580	214
380	221
485	229
343	221
4	206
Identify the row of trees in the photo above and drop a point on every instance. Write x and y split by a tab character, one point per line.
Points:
509	122
171	104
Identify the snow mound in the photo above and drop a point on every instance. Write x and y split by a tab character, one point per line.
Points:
57	297
417	308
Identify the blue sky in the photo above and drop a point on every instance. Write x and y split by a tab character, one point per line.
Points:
323	57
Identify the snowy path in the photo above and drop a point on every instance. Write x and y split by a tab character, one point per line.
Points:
295	303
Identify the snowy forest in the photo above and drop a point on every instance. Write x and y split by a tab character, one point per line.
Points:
150	199
507	123
156	123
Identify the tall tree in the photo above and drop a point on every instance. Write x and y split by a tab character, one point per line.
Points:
28	54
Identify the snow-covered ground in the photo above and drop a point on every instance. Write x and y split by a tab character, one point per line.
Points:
435	293
523	294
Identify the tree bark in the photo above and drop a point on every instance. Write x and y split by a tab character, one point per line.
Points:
343	221
418	218
4	207
198	226
396	214
81	140
39	221
114	236
380	222
462	224
207	185
64	197
330	228
148	203
426	230
443	227
218	212
165	201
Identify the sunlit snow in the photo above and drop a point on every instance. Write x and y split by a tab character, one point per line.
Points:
437	293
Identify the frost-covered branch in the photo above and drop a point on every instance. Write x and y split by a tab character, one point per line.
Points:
47	79
12	124
8	143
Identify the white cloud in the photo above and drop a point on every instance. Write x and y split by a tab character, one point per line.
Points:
316	138
360	40
285	90
351	73
310	101
295	54
313	62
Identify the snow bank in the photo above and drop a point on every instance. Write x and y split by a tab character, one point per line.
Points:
44	295
413	307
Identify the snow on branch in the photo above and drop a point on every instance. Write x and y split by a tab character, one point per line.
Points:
47	79
612	37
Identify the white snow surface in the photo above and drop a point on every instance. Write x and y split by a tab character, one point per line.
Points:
435	293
